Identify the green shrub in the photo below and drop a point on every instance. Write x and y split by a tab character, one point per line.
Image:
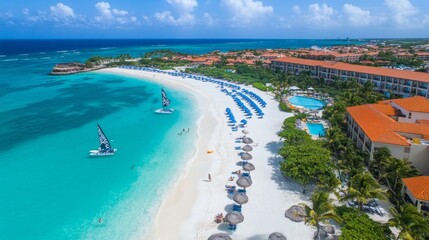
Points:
357	225
283	107
260	86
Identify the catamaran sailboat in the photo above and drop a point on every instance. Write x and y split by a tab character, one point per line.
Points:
165	104
105	149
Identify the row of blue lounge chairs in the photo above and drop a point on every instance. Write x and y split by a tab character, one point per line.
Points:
231	120
252	104
184	75
255	96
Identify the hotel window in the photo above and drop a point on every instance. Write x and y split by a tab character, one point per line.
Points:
407	150
409	115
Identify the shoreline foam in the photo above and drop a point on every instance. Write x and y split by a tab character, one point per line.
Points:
189	208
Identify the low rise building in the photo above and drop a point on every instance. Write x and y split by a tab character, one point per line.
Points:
400	82
416	191
401	125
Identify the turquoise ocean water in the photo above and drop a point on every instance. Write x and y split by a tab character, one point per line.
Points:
49	187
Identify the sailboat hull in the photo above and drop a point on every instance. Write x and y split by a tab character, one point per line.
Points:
99	153
164	111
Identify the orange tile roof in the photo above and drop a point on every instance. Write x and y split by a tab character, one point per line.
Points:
376	125
418	186
423	121
374	120
422	54
413	104
386	109
388	72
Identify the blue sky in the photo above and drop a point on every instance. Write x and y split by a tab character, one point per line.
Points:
214	19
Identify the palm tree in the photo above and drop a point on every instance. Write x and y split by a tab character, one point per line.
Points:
321	211
380	162
353	161
362	188
395	170
329	184
410	222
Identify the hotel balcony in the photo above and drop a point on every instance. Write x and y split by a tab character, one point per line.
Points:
422	93
406	89
423	85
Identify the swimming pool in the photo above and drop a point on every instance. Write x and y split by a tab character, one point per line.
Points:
307	102
316	129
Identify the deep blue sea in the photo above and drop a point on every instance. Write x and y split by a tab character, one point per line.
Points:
49	187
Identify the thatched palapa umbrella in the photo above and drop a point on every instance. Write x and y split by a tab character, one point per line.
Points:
248	167
247	148
276	236
234	218
248	140
246	156
220	236
244	182
240	198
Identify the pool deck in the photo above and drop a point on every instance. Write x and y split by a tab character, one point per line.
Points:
300	108
315	115
324	122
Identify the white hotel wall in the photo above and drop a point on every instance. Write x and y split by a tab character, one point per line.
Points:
419	156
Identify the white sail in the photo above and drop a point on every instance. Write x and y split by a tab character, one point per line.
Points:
105	148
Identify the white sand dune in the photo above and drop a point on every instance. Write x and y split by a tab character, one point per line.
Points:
189	209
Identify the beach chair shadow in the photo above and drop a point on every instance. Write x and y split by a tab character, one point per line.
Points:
228	208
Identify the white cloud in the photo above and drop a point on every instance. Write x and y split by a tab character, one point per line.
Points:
296	9
403	11
5	15
245	12
119	12
209	20
108	15
167	18
356	16
320	14
61	11
104	10
184	6
185	10
40	16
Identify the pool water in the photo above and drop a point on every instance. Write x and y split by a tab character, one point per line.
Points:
307	102
316	129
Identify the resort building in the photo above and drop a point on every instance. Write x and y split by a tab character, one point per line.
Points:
400	82
423	56
401	125
416	191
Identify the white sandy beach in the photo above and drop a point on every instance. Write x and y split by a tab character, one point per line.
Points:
189	209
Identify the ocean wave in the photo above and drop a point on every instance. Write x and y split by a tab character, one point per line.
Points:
10	60
106	48
3	55
45	58
24	54
159	45
63	51
42	52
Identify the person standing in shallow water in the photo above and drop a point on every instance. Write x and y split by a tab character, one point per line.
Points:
210	177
